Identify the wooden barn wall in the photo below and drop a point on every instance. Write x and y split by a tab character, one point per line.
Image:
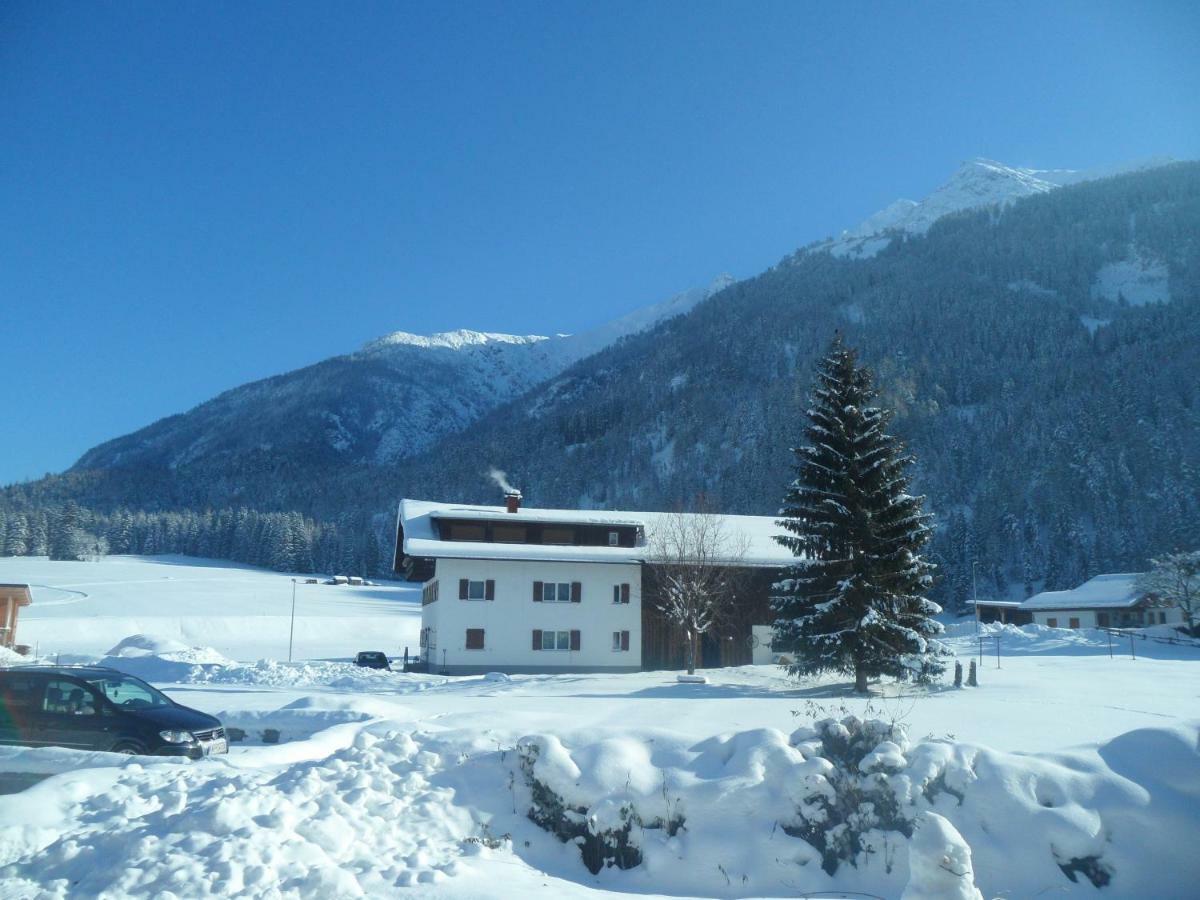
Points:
727	644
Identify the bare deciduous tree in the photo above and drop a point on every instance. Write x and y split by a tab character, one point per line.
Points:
697	565
1176	577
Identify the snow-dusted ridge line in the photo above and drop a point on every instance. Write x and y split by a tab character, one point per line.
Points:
574	346
453	340
975	184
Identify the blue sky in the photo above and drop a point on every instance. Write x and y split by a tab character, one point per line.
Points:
195	195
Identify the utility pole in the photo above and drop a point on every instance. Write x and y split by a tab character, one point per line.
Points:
292	628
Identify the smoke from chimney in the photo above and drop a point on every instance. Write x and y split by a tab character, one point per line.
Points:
501	479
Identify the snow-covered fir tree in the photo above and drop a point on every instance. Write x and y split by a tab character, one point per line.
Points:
854	601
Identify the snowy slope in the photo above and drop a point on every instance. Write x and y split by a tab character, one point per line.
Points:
394	398
977	183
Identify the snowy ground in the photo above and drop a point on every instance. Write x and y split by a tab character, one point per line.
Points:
386	784
243	612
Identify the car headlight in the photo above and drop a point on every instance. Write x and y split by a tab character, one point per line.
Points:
177	737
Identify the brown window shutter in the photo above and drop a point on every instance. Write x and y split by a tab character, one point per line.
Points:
489	589
462	589
574	639
624	593
624	640
537	637
537	592
576	592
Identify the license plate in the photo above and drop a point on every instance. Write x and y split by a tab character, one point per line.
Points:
220	745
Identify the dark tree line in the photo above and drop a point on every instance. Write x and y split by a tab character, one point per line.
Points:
284	541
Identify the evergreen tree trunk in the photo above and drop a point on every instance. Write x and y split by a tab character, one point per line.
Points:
860	679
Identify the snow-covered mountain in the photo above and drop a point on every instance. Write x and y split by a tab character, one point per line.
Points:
395	397
977	183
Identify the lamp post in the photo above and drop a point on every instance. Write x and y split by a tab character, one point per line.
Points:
292	627
975	594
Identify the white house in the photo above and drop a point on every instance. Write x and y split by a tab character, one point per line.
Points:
1101	602
549	590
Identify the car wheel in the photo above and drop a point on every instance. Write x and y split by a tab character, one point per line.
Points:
127	748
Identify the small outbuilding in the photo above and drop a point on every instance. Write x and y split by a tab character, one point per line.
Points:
12	598
1106	601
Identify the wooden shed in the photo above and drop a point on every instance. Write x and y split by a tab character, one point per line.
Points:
12	598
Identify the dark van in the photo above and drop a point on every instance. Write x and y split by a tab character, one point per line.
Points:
94	708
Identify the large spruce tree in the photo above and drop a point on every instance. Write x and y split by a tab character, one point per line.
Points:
854	600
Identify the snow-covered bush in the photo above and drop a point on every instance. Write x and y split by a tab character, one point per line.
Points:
853	802
607	832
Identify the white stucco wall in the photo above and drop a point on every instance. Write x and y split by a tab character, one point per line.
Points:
1086	617
509	620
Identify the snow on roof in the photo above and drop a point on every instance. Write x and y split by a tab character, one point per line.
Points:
1104	591
420	538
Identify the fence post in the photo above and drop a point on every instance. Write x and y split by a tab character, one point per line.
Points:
981	650
1132	652
997	651
957	673
972	677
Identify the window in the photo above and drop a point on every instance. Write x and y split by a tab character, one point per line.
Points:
620	593
462	532
429	593
620	641
1074	622
1052	623
508	534
555	640
474	638
613	538
20	691
69	698
558	535
557	592
476	590
127	691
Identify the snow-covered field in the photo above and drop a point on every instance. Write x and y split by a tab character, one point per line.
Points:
243	612
385	784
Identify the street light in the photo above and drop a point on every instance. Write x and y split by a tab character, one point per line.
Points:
975	594
292	628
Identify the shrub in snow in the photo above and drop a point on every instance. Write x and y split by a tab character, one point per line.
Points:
853	801
608	832
939	863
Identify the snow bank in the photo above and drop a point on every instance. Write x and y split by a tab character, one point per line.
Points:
11	657
364	821
367	808
939	863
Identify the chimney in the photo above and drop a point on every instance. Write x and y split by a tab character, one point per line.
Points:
512	500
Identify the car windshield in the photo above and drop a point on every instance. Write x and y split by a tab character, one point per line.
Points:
128	692
371	657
